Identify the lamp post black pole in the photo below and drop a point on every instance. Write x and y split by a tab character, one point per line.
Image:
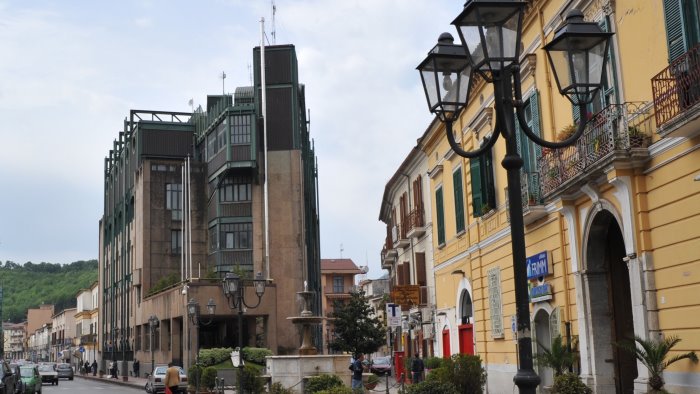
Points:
240	339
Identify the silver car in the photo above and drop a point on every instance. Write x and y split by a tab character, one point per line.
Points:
64	371
155	383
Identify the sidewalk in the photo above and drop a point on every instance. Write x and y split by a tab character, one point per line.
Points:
140	383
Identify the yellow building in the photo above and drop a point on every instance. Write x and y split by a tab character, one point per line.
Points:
612	223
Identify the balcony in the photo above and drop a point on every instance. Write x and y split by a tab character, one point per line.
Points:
398	236
618	135
388	258
416	223
676	91
533	206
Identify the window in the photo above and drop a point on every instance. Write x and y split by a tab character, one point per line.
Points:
440	216
240	129
459	199
236	189
221	136
213	240
682	26
337	284
494	278
237	235
211	146
173	199
483	188
175	241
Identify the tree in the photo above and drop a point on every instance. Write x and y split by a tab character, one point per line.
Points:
357	329
653	355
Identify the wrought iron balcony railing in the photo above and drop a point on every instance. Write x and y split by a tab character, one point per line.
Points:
615	133
677	87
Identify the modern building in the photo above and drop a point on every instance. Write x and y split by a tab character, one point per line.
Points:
611	224
337	282
172	230
408	251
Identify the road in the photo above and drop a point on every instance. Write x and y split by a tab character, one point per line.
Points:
85	386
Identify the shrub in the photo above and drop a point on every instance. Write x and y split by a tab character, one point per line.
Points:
250	379
464	371
194	375
256	354
336	390
213	356
433	362
209	377
277	388
569	383
432	387
322	382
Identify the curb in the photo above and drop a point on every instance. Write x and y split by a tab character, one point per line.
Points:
118	382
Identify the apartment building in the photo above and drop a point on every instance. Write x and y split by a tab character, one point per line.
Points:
14	340
611	222
337	282
63	335
159	211
86	323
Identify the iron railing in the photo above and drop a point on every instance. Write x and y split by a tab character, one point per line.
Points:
618	127
677	87
530	190
415	219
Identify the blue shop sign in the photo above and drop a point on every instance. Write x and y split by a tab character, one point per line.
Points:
538	265
541	293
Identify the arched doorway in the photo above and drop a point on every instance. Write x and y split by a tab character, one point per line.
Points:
466	326
543	339
610	305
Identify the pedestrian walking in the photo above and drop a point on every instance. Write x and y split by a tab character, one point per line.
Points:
172	378
114	370
94	367
137	366
417	368
357	370
86	367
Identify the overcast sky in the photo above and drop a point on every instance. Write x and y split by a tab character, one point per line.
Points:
70	71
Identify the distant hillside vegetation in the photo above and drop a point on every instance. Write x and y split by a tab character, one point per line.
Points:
29	285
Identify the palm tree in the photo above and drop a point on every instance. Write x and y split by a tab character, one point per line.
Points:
653	355
558	357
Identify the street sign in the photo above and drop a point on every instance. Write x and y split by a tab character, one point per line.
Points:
406	295
393	313
81	349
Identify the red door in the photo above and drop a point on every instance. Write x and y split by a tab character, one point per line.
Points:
466	339
446	353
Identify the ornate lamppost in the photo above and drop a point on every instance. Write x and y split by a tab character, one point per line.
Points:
490	32
153	323
194	315
234	290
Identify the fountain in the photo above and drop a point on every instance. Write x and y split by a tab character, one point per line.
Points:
306	319
291	370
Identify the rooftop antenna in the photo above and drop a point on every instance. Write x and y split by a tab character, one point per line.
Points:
274	32
223	82
250	74
341	251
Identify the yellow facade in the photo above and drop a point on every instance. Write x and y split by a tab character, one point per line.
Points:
622	232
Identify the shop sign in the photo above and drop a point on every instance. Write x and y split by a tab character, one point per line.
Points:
539	265
542	292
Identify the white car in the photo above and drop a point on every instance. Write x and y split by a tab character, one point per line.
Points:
155	384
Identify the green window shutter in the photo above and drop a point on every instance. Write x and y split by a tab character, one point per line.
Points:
675	29
459	199
440	216
535	109
477	198
489	183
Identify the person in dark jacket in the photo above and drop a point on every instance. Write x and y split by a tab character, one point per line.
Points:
94	368
137	366
357	370
417	368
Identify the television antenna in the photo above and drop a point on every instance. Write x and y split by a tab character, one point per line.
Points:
223	82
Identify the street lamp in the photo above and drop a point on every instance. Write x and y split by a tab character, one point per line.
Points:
193	313
490	32
153	323
234	290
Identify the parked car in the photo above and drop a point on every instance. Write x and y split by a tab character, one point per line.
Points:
64	370
155	384
381	366
48	374
7	379
31	380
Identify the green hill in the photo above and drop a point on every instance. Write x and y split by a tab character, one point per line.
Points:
29	285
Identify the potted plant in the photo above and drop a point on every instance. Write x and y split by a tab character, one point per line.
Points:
636	137
653	355
570	383
371	382
566	132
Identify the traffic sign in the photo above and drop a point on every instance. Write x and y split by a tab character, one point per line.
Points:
81	349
